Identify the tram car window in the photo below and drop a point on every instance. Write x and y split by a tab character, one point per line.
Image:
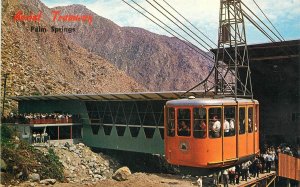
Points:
229	121
200	127
214	122
171	122
242	125
250	119
184	122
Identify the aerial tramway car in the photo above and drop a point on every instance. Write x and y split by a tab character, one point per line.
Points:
211	133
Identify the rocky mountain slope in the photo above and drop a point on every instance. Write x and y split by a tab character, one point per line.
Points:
48	62
158	62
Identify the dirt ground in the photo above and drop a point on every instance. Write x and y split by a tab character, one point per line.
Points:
136	179
144	179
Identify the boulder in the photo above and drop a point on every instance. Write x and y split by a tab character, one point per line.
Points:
67	145
3	165
122	174
81	144
34	177
48	181
19	175
72	148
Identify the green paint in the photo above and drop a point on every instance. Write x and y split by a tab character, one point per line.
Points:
154	145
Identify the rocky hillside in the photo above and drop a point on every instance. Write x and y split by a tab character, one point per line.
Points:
158	62
48	62
81	165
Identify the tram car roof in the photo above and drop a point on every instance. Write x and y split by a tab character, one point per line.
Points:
192	101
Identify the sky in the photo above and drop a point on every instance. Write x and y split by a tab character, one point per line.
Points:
204	14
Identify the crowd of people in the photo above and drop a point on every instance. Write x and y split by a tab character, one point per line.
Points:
39	117
263	163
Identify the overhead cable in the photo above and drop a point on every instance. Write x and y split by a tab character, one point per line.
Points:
268	20
261	21
177	25
183	24
185	41
191	23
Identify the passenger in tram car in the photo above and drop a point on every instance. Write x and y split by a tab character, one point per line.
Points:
200	129
171	128
216	128
231	127
250	128
242	126
226	128
184	129
203	129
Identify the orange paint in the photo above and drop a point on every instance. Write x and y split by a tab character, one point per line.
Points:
211	152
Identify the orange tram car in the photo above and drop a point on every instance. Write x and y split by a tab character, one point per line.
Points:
205	134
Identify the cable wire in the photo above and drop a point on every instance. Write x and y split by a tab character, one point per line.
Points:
191	23
268	20
261	21
177	25
192	46
182	24
257	26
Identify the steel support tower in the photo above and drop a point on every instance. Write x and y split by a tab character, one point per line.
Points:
232	73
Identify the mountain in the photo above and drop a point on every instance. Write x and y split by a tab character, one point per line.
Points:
157	62
50	63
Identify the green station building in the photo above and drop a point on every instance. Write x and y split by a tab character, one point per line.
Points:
121	121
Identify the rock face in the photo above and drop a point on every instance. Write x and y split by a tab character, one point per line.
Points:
48	62
122	174
158	62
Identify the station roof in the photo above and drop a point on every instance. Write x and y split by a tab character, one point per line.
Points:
113	96
286	51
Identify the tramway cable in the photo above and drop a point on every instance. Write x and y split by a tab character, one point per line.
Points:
181	23
185	41
287	50
268	20
260	20
178	25
191	24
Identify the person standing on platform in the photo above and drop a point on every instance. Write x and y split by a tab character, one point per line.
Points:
225	177
237	174
231	173
245	168
268	162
